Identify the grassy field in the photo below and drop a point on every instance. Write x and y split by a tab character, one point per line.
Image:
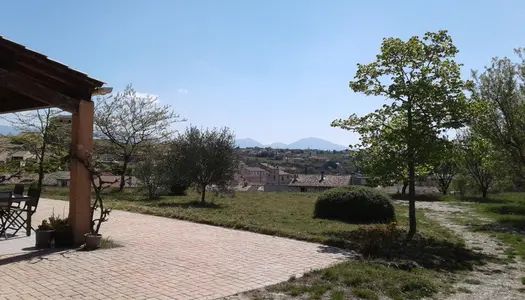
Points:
428	264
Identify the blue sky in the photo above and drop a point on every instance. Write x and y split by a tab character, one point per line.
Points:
274	70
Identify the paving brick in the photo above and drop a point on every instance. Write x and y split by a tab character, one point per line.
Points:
161	258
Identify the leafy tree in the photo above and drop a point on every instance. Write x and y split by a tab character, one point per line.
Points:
423	85
204	158
43	136
152	171
499	96
479	160
129	120
446	166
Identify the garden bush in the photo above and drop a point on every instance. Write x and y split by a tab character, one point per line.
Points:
355	205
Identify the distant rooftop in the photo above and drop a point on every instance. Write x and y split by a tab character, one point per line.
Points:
327	180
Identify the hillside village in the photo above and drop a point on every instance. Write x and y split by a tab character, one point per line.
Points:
260	169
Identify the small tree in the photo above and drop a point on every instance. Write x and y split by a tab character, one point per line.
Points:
204	158
424	85
152	171
128	120
446	167
479	161
42	136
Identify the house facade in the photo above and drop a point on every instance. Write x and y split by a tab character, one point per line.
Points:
318	182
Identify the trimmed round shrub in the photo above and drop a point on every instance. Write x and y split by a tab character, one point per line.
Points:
355	205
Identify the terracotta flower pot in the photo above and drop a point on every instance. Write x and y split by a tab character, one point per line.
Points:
43	238
93	241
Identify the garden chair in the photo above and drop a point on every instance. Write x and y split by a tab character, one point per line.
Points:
19	189
6	201
18	215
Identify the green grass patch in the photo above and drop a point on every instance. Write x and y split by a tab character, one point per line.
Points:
367	280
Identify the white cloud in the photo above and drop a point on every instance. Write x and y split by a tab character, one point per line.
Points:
153	97
182	91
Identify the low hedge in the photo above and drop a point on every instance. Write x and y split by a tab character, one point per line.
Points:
355	205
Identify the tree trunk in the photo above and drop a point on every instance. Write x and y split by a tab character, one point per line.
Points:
411	177
203	194
404	189
484	193
41	162
123	174
411	201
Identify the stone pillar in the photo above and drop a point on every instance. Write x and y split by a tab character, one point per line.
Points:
80	182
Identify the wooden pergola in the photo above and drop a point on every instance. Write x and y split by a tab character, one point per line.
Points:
30	81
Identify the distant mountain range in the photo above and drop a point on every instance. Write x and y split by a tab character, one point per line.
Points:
306	143
5	130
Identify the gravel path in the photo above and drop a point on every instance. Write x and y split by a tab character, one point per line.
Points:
491	281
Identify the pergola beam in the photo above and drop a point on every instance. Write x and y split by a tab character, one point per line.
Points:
23	86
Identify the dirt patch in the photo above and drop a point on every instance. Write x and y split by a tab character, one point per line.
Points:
490	281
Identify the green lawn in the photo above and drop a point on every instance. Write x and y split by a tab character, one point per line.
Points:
390	266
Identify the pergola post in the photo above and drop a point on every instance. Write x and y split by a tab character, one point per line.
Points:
80	182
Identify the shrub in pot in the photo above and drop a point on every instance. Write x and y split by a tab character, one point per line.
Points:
44	235
63	233
355	205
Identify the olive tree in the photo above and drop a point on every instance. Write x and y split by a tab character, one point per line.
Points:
499	112
128	120
422	84
204	158
44	137
152	171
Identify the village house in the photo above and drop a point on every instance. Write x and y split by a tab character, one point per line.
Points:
318	183
251	175
276	176
21	156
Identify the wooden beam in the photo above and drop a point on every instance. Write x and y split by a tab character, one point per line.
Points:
80	183
24	86
19	106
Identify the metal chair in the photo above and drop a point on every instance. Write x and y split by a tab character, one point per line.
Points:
18	216
6	201
19	189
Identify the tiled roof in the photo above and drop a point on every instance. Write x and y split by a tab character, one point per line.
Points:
254	169
328	180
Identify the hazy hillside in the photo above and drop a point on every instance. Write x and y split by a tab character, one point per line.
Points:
248	143
306	143
5	130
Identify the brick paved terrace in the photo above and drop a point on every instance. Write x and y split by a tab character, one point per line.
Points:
160	258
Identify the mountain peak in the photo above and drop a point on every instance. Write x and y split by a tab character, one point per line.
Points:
304	143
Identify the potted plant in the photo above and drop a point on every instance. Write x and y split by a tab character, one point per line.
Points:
63	234
44	235
99	213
